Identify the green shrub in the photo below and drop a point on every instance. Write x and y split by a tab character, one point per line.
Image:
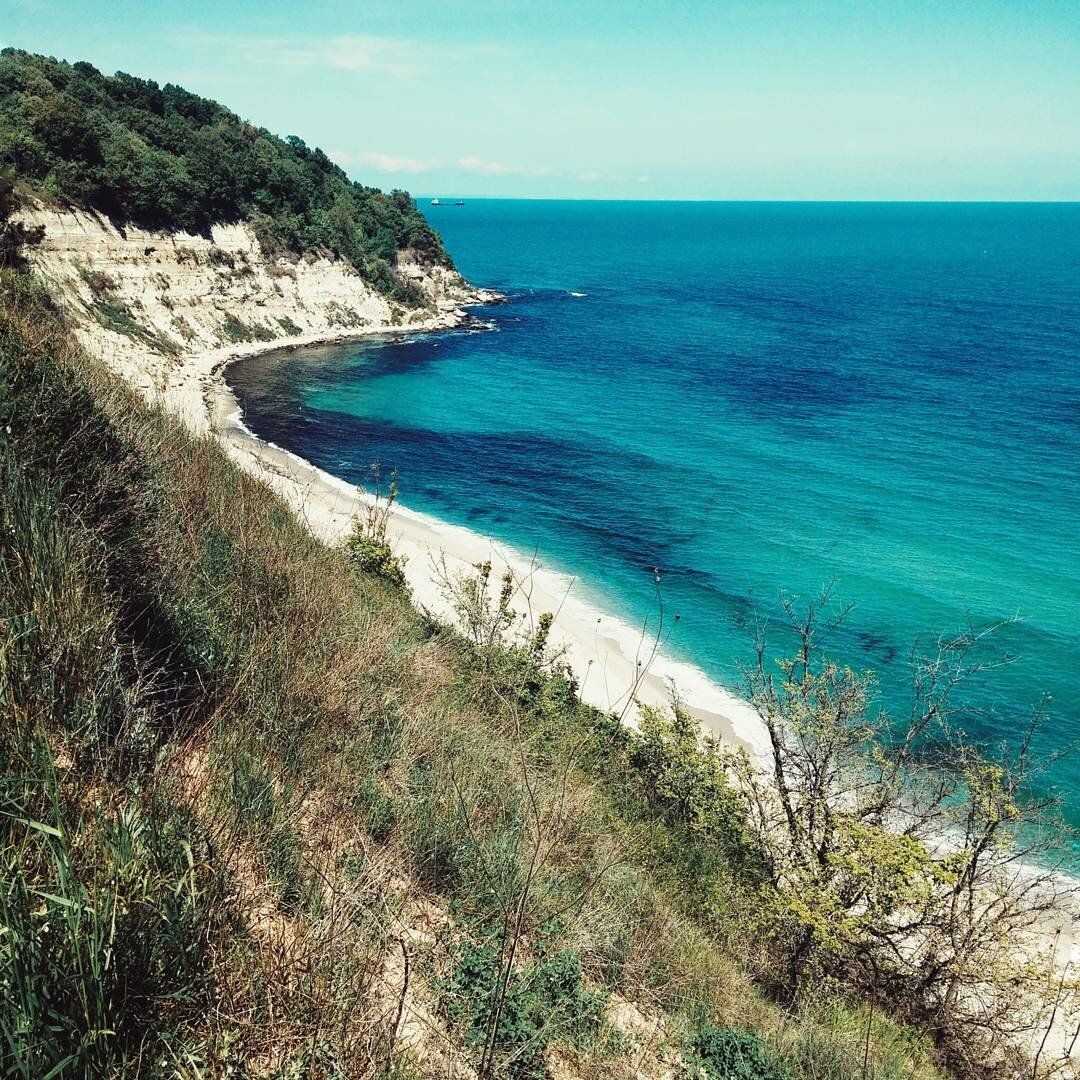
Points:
541	1002
235	331
733	1053
371	556
119	319
368	546
100	283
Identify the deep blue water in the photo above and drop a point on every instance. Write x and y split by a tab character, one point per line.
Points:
754	397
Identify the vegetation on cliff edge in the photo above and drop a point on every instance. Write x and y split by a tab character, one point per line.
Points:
162	157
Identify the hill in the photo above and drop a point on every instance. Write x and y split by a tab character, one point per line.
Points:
164	158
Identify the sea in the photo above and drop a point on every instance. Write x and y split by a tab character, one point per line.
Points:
760	400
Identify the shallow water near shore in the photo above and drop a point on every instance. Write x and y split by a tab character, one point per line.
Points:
752	397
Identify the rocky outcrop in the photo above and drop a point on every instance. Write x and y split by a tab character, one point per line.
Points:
150	302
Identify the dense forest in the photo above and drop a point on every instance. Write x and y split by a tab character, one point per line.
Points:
162	157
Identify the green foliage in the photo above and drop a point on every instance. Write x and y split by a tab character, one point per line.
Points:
367	545
262	332
543	1002
942	927
100	283
235	330
511	660
671	790
107	922
732	1053
14	236
685	779
110	902
118	318
217	257
348	318
163	157
372	556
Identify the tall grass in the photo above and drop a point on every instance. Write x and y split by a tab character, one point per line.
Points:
109	904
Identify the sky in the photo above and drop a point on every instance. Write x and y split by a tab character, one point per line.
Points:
680	99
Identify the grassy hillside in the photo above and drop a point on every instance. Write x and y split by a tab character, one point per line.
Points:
260	818
162	157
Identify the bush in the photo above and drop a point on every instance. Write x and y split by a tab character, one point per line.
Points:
733	1053
371	556
367	545
520	1011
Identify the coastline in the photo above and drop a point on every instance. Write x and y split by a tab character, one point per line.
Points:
617	666
318	301
191	383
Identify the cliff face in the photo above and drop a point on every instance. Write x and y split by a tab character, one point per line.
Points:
151	303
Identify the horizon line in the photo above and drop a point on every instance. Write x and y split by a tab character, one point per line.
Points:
807	200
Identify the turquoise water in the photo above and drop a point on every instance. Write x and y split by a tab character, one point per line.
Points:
753	397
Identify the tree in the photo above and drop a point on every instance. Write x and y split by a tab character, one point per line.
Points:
903	857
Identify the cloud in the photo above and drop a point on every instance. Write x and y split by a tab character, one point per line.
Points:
400	58
497	168
389	163
384	55
396	57
485	168
590	177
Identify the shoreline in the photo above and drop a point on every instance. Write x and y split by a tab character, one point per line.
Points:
315	296
616	665
317	302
